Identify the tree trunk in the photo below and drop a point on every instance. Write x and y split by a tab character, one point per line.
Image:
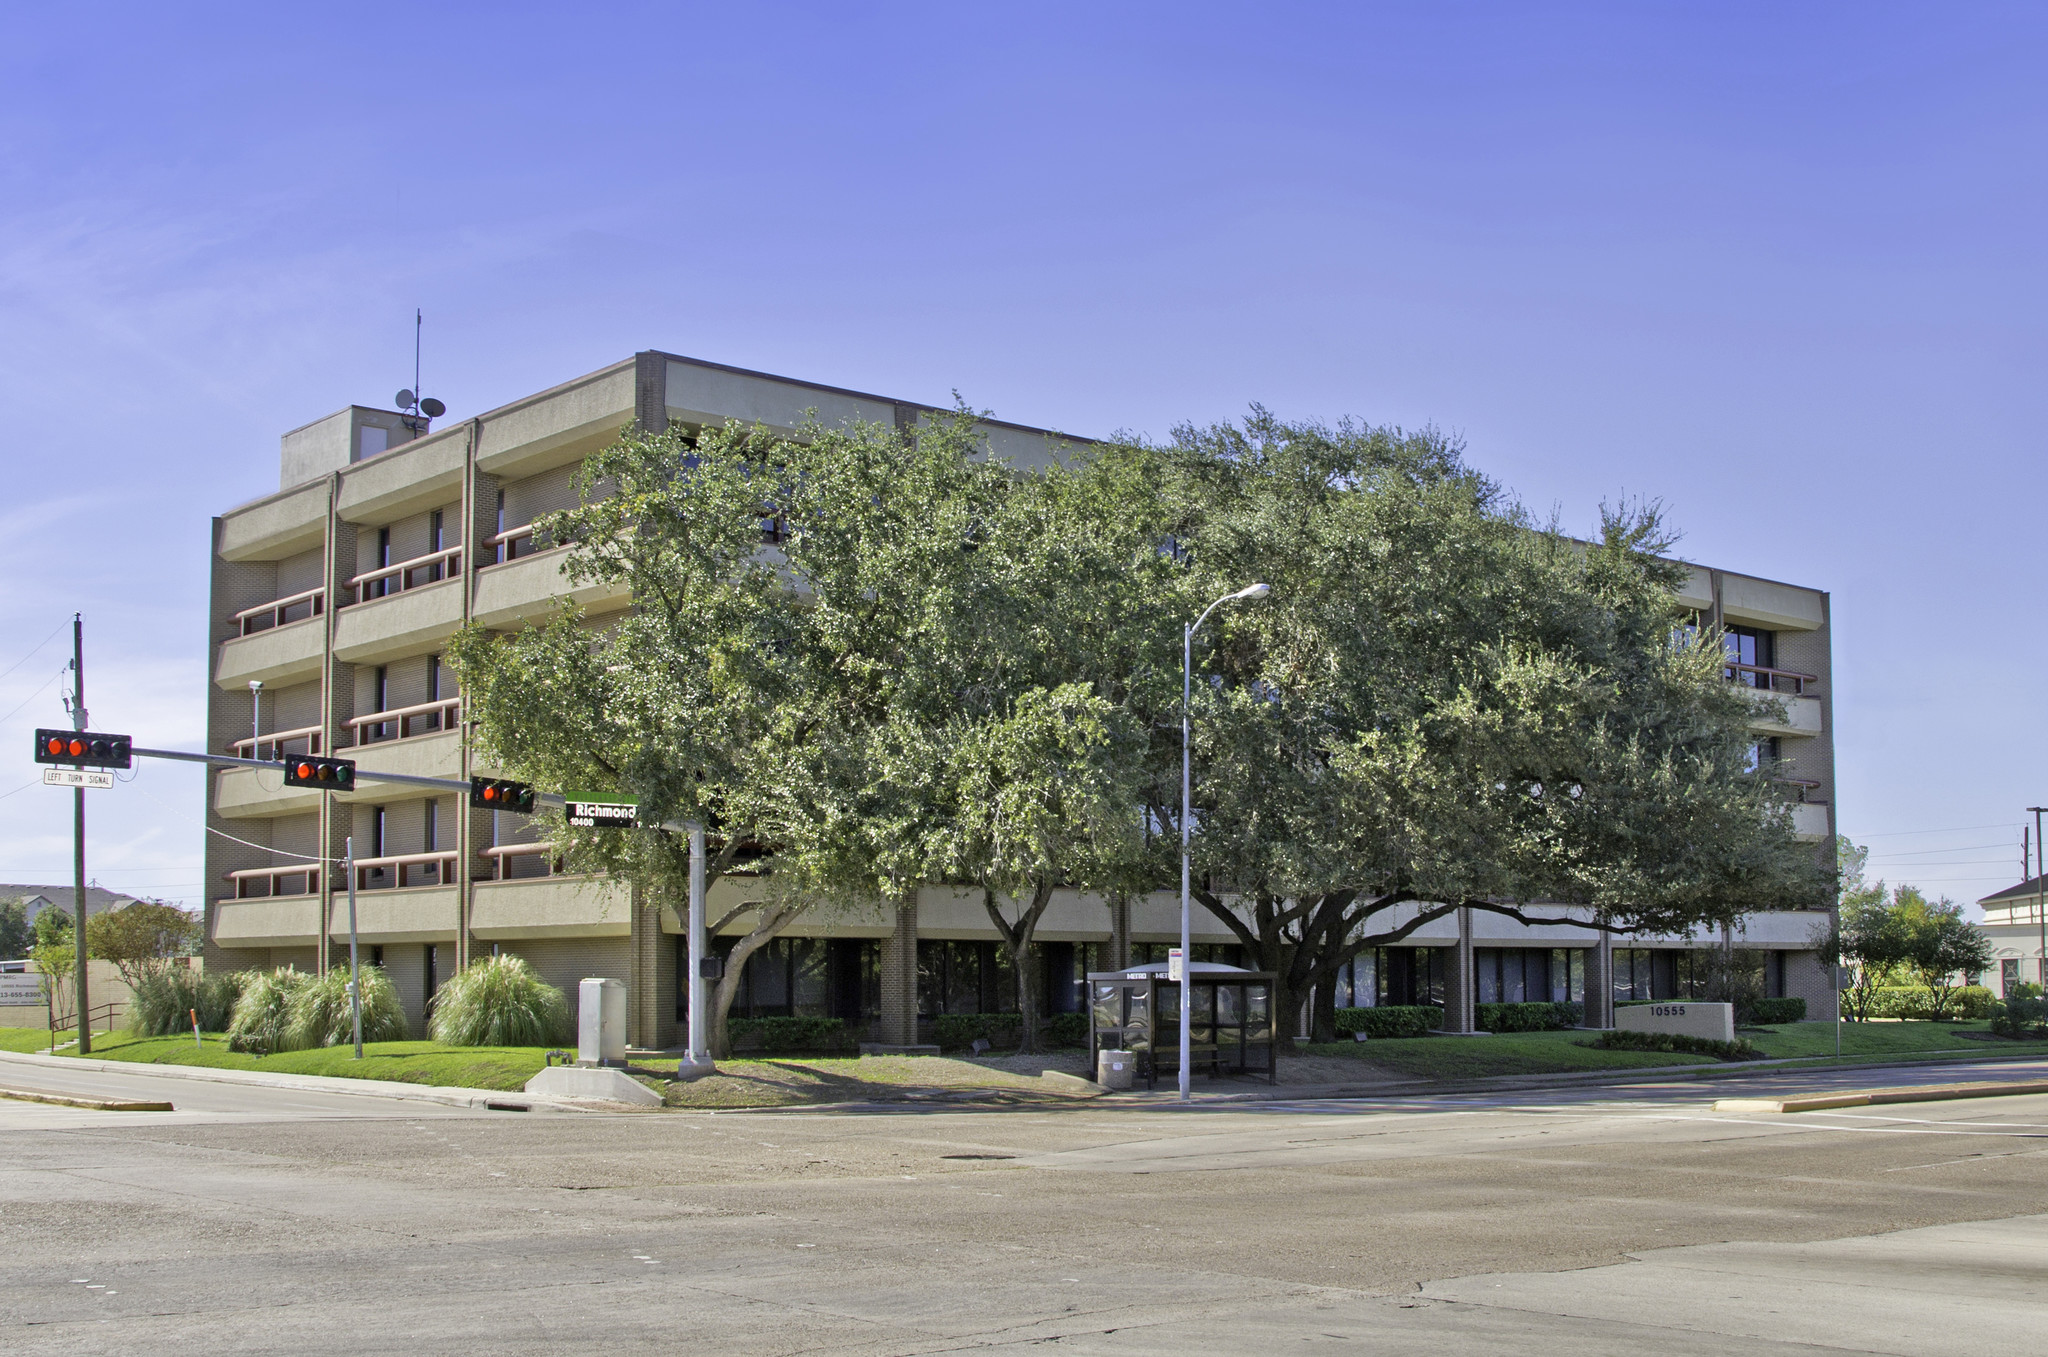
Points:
1322	1008
772	921
1017	939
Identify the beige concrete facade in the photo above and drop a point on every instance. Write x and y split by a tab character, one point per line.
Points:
338	592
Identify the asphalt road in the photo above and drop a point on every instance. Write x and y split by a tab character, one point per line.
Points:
1611	1220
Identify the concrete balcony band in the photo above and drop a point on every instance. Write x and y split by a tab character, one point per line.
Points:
436	754
416	914
399	624
1810	821
276	655
264	616
259	793
1801	715
277	921
436	565
531	586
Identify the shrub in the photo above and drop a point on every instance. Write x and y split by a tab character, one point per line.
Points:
789	1034
1617	1039
1389	1020
500	1001
2024	1013
1541	1016
1771	1012
218	993
1917	1001
1065	1029
261	1024
958	1031
319	1012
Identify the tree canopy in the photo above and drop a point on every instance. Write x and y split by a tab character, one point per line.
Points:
869	658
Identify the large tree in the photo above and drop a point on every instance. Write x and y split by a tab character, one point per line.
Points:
1444	705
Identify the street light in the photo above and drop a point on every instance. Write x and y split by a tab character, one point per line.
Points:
1187	667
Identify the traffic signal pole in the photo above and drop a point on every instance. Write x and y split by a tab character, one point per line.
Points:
78	947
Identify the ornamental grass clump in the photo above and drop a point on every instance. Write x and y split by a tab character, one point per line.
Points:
320	1013
262	1021
163	1003
500	1001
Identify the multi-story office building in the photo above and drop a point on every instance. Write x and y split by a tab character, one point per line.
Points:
337	593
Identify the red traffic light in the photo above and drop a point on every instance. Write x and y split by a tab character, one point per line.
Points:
487	793
86	748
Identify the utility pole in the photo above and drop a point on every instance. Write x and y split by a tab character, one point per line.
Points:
78	948
2040	915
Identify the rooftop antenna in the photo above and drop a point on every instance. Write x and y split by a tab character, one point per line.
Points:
419	412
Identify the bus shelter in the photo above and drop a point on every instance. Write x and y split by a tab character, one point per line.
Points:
1138	1010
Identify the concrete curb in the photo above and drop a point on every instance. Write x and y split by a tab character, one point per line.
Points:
91	1104
444	1095
1931	1093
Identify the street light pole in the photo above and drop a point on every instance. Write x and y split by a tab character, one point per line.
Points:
1187	669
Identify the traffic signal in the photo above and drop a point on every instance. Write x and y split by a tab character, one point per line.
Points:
493	793
84	748
334	775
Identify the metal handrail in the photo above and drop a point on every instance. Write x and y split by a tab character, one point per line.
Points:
448	709
404	570
400	861
1770	677
277	608
313	736
506	543
309	870
501	855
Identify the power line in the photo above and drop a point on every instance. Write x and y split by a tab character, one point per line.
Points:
1959	829
34	695
32	654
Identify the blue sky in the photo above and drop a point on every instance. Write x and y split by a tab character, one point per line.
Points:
1778	266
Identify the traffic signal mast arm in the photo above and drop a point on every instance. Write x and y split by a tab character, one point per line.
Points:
446	784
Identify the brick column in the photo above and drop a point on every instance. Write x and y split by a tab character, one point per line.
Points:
899	977
1119	935
1600	982
1458	982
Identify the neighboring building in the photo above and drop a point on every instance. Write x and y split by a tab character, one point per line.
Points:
36	899
338	592
2013	922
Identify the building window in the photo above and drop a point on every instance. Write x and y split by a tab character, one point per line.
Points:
1749	650
433	721
1394	976
964	977
798	977
2008	975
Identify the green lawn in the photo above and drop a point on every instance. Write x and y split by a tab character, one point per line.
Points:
1504	1053
33	1038
412	1062
1562	1052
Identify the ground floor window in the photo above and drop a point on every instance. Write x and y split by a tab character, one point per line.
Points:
1393	975
2008	974
798	978
1527	975
964	977
1700	973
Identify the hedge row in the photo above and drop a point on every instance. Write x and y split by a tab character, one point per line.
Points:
1618	1039
790	1034
1389	1020
959	1031
1541	1016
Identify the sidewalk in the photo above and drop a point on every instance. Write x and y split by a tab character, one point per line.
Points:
477	1098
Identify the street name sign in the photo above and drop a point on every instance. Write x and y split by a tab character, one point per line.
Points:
602	814
76	777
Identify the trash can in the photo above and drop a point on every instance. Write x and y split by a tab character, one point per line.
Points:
601	1022
1114	1070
